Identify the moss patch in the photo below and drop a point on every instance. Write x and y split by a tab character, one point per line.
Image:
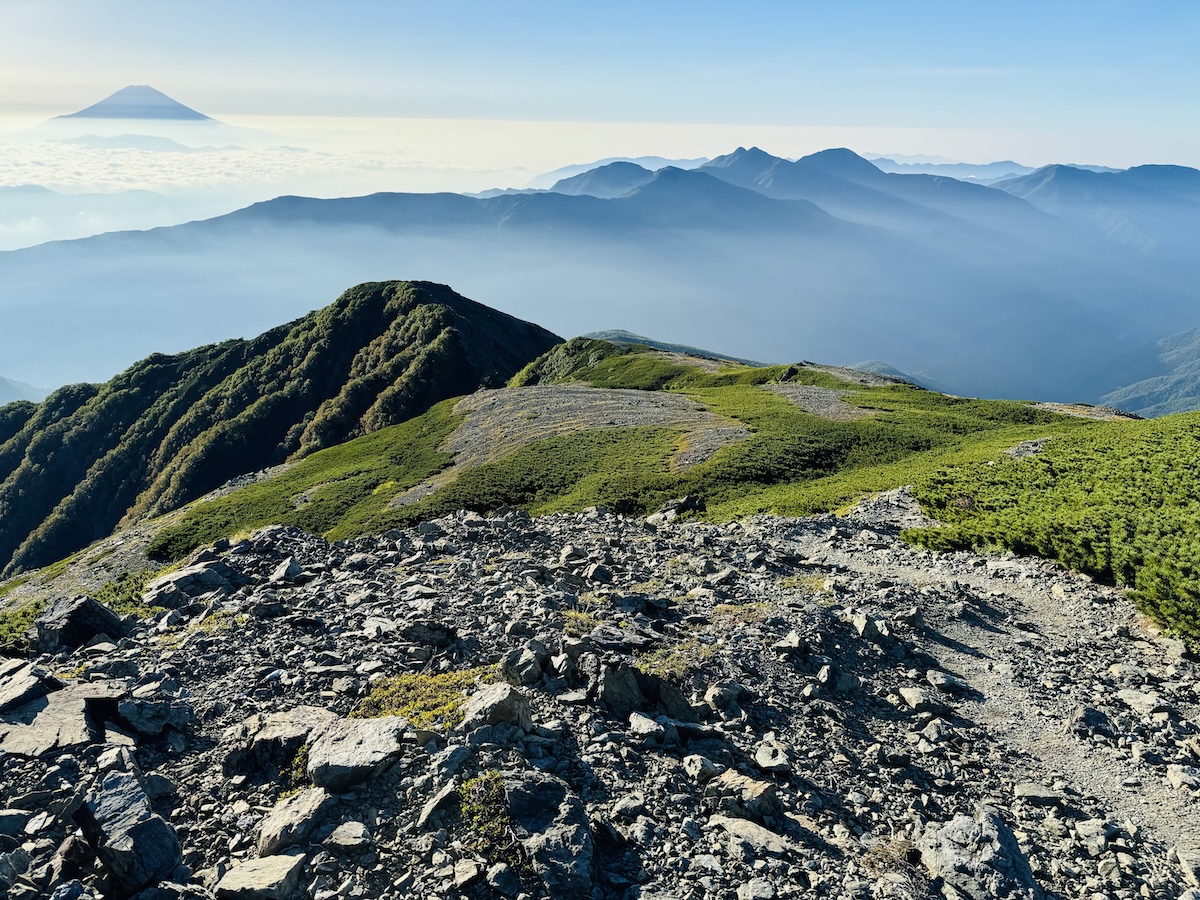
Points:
427	701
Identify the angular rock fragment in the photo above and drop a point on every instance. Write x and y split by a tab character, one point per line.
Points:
136	845
979	857
267	878
73	622
22	683
293	820
262	744
553	826
179	588
352	750
494	704
743	796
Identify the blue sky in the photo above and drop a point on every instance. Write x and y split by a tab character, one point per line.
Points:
1098	70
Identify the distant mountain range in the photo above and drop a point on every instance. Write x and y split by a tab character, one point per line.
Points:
11	391
652	163
987	291
172	428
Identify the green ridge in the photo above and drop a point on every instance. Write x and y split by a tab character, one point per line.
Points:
172	428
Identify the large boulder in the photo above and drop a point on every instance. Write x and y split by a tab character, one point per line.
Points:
553	826
497	703
978	856
625	689
58	721
264	744
352	750
74	621
136	845
748	798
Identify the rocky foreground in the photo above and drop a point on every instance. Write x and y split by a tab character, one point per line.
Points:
590	706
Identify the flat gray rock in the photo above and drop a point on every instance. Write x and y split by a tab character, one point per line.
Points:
23	683
351	750
293	820
268	878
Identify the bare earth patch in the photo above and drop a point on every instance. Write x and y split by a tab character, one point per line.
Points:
499	422
1083	411
820	401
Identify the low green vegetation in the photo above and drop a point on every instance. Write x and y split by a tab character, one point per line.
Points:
123	595
172	428
16	621
330	492
676	660
483	803
12	584
427	701
793	463
1119	500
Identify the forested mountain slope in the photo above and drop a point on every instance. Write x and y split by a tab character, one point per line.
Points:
171	428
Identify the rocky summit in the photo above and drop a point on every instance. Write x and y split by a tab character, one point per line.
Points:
594	706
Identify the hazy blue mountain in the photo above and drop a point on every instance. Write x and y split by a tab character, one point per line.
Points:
608	181
1151	209
1160	378
137	101
30	214
850	187
713	263
653	163
984	173
17	390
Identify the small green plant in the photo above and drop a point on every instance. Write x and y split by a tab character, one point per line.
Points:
12	584
484	806
427	701
579	623
295	775
676	661
123	594
813	582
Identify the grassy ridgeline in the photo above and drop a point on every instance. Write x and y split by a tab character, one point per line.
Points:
792	463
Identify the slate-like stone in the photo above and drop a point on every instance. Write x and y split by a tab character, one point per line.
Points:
74	621
267	878
553	825
496	703
136	845
293	820
351	750
979	857
24	683
261	744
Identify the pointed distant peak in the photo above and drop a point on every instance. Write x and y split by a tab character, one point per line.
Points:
840	161
743	156
138	101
